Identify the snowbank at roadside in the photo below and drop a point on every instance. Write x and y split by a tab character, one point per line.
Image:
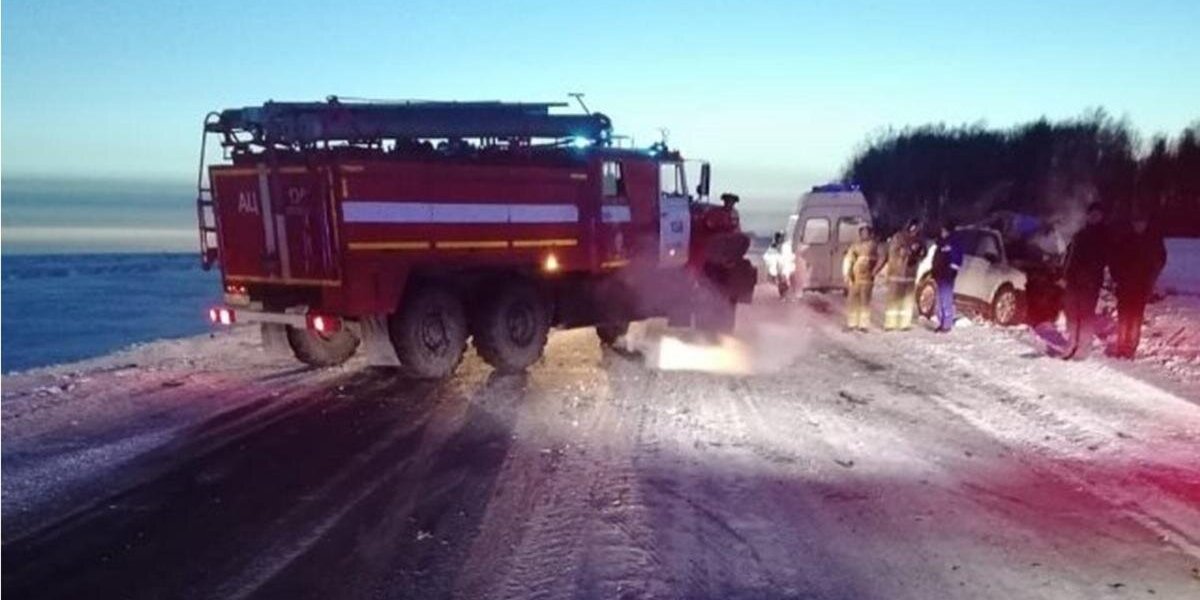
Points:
1171	334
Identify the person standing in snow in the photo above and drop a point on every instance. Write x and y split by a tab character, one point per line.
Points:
858	268
776	265
947	260
1135	269
1087	257
904	251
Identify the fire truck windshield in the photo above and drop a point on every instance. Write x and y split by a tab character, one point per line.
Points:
674	175
672	179
700	174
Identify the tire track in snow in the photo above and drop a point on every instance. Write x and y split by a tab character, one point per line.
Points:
1007	410
1029	409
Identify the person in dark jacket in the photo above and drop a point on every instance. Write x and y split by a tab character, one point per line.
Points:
1087	258
947	259
1135	269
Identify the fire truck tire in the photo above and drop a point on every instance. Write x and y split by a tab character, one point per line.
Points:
429	332
609	333
717	315
312	348
726	249
713	308
510	330
714	311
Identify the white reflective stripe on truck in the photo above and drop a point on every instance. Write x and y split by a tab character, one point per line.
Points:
360	211
615	213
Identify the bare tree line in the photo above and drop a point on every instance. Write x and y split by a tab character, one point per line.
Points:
1043	168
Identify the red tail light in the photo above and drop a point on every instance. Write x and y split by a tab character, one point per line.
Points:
221	316
324	323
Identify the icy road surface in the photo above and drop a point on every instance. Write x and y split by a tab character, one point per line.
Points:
847	466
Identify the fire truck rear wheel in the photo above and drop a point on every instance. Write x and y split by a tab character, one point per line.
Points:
511	328
312	348
429	332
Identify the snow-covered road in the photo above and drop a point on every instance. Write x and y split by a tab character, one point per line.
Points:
846	466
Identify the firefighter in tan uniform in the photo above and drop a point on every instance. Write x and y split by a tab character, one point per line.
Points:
859	267
904	251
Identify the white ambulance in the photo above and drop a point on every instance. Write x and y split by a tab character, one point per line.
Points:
818	234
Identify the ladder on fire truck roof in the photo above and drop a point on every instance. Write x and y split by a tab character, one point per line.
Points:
300	125
305	123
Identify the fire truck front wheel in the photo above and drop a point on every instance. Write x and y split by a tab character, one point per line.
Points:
609	333
713	308
429	332
321	350
510	329
716	314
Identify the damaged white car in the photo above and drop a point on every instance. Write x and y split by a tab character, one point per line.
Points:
1004	278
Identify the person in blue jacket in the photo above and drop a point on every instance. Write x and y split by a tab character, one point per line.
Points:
947	259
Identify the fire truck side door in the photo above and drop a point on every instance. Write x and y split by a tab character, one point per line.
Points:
674	216
304	226
615	214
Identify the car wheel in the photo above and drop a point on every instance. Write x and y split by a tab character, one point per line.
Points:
1008	307
927	299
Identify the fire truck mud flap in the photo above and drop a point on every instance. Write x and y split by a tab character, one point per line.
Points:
274	340
377	343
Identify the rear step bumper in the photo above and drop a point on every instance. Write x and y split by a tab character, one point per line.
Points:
238	315
372	330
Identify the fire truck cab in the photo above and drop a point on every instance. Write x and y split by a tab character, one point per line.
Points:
409	229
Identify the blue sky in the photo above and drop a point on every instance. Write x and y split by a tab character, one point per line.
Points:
776	94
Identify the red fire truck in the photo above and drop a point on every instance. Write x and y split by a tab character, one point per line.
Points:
409	228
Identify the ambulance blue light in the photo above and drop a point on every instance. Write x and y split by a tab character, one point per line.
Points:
836	187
